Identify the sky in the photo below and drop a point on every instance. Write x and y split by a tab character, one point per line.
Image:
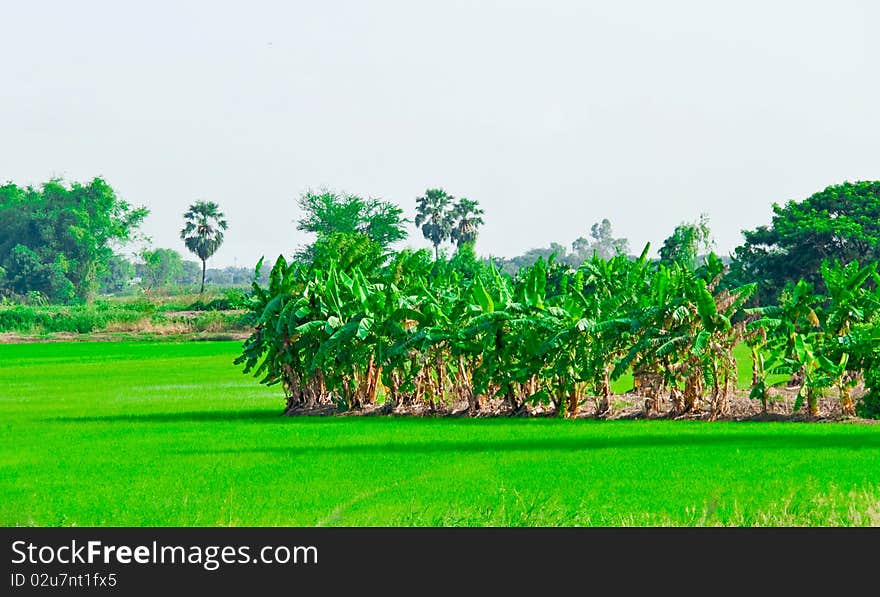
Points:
553	114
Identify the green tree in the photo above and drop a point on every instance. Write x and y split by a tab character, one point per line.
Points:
841	222
555	252
117	276
601	243
467	217
686	242
58	239
192	271
329	213
434	216
160	268
202	232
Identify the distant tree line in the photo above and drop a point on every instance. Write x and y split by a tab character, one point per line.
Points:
63	242
165	269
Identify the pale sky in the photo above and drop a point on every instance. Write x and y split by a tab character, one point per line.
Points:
552	114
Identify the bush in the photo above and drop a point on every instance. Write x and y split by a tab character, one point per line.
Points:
869	405
80	319
21	318
233	298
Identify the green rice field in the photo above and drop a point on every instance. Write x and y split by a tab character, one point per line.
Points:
172	434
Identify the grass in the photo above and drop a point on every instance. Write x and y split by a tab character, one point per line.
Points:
139	315
149	434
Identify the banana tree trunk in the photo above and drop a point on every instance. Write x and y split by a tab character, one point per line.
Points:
441	375
466	388
812	402
845	386
365	390
720	404
574	403
677	398
693	390
605	393
374	385
756	367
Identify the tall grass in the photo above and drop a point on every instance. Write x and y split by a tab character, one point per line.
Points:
141	314
80	319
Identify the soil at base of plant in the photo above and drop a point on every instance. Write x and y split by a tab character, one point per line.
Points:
625	406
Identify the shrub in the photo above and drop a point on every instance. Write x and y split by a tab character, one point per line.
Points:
869	405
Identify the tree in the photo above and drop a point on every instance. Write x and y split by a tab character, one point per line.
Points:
603	243
434	216
203	231
328	213
119	273
161	267
841	222
192	270
337	219
685	243
466	216
382	222
555	251
58	239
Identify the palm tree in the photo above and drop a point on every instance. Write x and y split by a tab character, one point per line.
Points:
467	216
203	231
434	217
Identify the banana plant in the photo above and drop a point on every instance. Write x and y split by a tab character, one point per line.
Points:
409	331
853	300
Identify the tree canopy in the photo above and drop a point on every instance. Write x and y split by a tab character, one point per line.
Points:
202	233
467	217
841	223
160	268
442	218
684	244
601	243
328	213
434	216
58	239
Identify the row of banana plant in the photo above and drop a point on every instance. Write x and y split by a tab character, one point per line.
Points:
434	334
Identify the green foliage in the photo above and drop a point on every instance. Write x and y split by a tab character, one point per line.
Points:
147	316
328	214
202	231
840	223
347	332
232	298
467	217
348	250
58	239
601	244
442	218
434	217
160	268
825	340
685	243
869	405
555	252
118	275
79	319
465	261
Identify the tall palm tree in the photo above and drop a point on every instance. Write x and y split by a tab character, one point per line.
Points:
434	217
203	231
467	217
